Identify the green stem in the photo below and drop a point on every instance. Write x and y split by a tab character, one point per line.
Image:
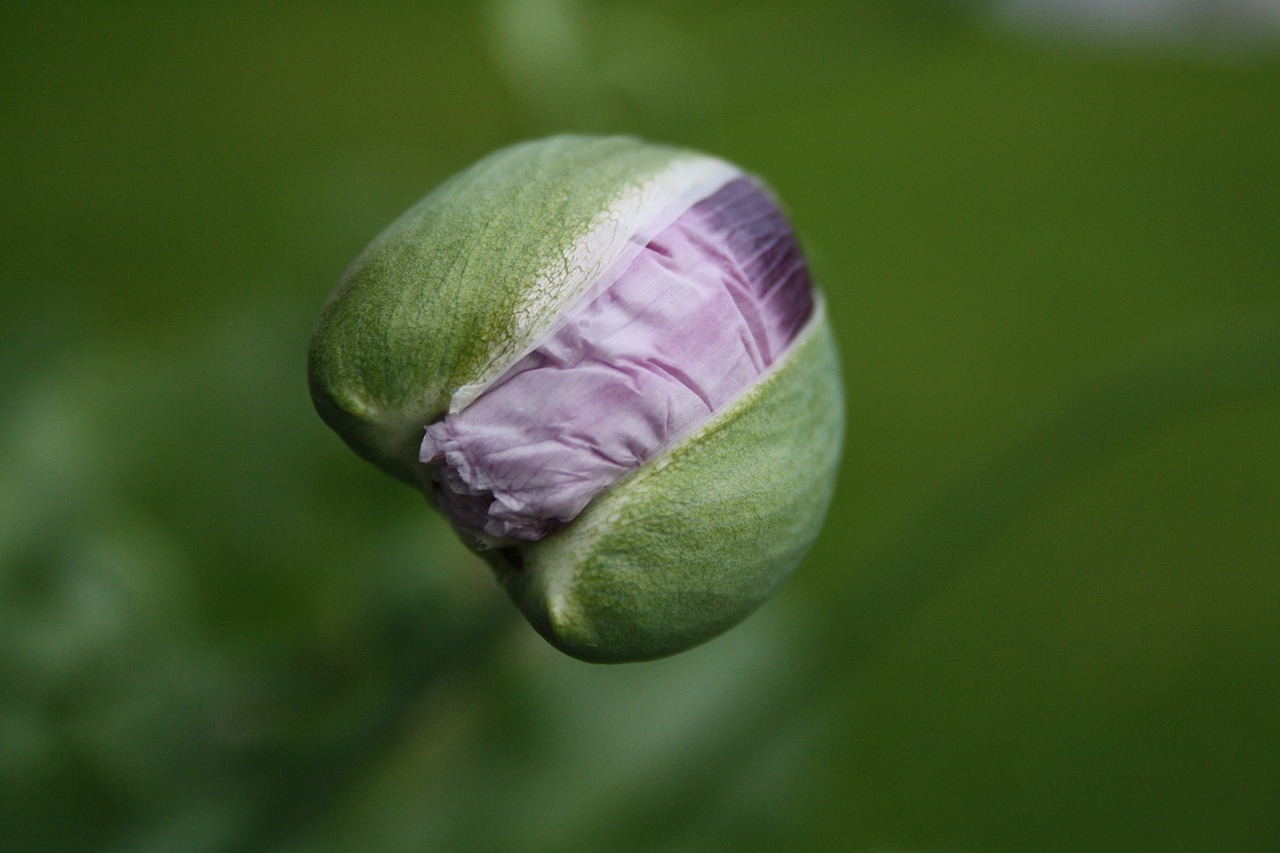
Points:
310	789
1212	365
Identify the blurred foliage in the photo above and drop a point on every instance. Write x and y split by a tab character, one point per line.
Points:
1042	616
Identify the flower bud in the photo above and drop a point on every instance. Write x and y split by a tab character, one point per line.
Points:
606	364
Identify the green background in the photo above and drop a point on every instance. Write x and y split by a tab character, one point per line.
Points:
1043	612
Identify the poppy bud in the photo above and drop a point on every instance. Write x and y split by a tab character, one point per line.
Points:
606	364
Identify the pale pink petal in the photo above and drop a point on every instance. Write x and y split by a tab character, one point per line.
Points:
687	325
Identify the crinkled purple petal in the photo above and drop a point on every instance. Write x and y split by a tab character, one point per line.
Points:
690	323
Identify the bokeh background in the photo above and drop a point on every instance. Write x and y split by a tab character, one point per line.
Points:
1043	613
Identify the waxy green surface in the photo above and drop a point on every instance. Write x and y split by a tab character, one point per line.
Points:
461	284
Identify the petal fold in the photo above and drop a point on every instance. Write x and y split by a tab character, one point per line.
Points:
679	330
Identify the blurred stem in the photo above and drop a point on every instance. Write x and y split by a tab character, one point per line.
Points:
1215	364
1230	360
420	658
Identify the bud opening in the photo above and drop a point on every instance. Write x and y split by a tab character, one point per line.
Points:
679	330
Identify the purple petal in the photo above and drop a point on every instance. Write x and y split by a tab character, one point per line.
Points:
687	325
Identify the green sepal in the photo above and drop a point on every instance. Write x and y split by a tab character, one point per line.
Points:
461	284
695	540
